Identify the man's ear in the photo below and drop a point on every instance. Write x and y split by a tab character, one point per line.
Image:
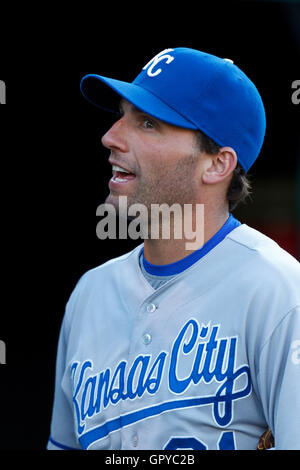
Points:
221	166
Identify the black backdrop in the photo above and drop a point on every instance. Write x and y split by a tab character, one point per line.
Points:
55	171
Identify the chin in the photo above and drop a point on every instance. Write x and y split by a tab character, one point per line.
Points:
114	200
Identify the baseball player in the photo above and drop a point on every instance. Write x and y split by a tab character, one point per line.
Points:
170	348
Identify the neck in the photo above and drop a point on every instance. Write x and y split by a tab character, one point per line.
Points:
165	251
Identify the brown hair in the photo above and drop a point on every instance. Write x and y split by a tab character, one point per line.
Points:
239	188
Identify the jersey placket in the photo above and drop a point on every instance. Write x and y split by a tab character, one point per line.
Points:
141	344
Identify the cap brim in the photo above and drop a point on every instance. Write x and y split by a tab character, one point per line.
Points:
95	89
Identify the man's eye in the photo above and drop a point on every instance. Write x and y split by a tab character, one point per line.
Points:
148	123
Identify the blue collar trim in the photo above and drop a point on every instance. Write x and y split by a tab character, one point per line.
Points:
183	264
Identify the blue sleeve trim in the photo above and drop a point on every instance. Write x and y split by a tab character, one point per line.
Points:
61	446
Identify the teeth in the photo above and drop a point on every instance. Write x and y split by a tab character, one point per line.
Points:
117	168
118	180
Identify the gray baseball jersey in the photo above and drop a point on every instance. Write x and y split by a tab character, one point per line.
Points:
208	360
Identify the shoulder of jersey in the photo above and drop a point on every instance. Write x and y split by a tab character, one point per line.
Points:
102	276
254	240
111	264
266	255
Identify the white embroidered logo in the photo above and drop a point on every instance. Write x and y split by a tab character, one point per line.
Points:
158	58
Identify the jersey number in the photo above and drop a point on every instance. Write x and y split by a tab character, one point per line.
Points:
226	442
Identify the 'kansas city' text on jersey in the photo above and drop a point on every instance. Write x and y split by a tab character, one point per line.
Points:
207	361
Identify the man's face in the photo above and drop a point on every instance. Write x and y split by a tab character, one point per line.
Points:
163	161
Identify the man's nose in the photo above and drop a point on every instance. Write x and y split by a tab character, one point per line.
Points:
115	137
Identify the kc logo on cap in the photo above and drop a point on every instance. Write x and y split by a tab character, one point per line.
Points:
155	61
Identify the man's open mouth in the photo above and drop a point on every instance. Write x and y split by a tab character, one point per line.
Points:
120	175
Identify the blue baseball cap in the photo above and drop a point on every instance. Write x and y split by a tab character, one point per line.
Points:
194	90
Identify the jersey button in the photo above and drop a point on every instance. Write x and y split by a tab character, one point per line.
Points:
135	440
151	308
147	338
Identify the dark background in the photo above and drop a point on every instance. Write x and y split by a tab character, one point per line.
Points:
54	170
